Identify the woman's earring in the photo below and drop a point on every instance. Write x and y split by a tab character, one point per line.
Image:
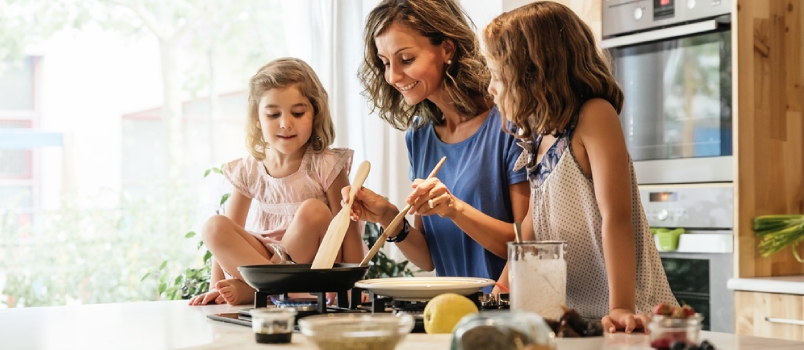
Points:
449	62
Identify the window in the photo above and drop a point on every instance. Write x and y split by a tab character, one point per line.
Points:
105	205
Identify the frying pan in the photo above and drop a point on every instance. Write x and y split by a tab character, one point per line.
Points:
295	278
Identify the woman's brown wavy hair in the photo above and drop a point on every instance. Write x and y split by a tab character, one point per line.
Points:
465	79
282	73
550	66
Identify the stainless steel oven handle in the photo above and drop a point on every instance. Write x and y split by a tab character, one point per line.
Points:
784	321
660	34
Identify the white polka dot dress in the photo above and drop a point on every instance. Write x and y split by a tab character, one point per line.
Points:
565	208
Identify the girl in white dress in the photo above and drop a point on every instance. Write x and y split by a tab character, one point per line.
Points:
550	80
292	176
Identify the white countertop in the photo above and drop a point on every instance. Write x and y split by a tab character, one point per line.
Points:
781	284
174	324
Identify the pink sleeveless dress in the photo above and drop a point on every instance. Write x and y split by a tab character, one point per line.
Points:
279	198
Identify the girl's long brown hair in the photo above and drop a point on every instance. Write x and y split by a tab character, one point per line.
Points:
549	65
282	73
465	80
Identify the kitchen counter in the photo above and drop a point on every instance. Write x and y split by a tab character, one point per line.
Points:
780	284
174	324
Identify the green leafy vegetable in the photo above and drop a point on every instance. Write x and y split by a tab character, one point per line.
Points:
779	231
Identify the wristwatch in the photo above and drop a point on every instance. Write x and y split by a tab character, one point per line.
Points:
402	234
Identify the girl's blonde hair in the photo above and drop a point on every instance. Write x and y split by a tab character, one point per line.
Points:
550	66
282	73
437	20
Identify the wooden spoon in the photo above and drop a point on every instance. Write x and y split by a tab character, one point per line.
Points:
331	244
395	222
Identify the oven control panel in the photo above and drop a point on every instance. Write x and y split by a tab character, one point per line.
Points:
691	206
628	16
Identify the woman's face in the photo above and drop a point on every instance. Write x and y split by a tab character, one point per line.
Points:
412	65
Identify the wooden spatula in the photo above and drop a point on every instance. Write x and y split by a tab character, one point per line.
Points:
331	244
395	222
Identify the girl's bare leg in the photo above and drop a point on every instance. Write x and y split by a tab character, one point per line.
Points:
233	246
306	230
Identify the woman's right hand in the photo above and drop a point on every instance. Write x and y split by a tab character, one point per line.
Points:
213	296
368	206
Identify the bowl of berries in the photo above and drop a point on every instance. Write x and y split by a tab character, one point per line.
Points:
676	328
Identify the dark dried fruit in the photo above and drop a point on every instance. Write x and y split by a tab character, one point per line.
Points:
565	331
573	319
572	325
705	345
594	329
678	345
553	324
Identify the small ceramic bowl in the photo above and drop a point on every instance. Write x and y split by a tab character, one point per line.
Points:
356	331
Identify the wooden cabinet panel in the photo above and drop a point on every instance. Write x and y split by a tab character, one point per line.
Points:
768	46
769	315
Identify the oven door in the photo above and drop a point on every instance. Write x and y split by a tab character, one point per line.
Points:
699	279
677	114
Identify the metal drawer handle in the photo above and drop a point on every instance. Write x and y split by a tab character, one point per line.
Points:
784	321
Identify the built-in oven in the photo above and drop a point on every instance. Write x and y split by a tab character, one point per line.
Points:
672	59
699	261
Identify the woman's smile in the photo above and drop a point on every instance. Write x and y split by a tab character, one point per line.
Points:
407	87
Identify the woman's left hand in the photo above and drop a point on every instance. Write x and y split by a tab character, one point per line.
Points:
624	319
430	197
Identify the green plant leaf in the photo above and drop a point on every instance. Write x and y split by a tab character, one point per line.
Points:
162	288
200	243
207	172
189	234
145	276
224	198
164	264
207	256
178	280
217	170
795	252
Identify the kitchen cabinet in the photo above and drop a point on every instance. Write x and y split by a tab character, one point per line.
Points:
768	53
769	315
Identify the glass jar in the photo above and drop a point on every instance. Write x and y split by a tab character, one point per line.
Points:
537	274
666	330
273	325
502	330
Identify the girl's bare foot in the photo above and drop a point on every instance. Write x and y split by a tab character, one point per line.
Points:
235	291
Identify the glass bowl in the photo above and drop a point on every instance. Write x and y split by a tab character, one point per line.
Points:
356	331
502	330
665	330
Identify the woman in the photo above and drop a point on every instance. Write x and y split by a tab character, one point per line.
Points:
423	72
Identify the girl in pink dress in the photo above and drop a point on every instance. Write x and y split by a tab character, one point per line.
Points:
292	176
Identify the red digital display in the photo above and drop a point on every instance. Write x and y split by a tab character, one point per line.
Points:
664	2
